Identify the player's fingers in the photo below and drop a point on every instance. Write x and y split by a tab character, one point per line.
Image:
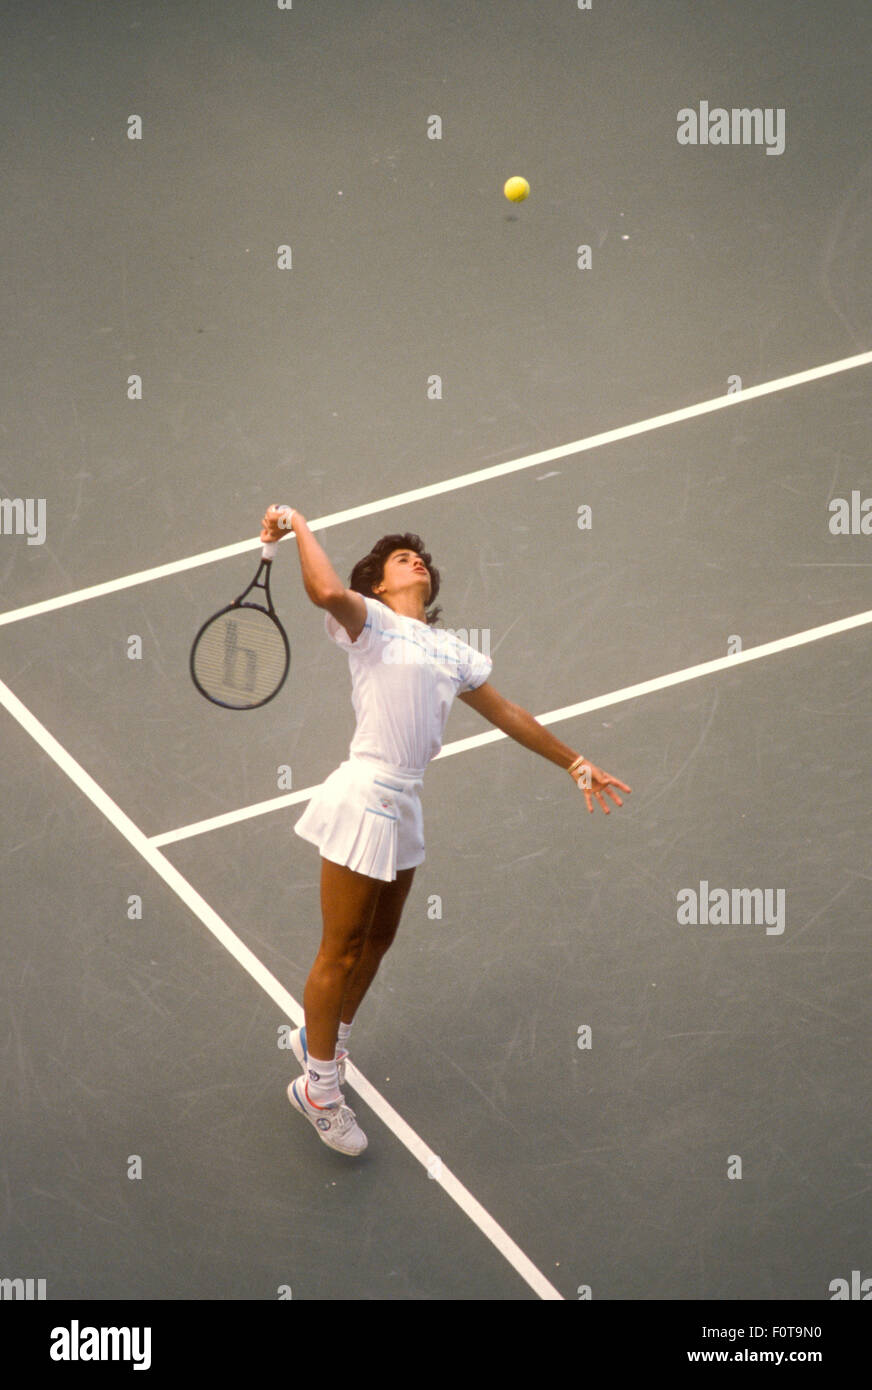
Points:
599	798
617	800
272	528
279	515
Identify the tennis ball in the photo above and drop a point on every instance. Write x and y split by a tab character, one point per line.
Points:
516	189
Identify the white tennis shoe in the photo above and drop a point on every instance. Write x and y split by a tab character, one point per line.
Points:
300	1051
336	1124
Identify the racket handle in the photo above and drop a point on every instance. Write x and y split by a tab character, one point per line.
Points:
270	547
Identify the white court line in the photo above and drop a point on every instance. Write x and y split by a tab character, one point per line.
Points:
402	499
614	697
436	1169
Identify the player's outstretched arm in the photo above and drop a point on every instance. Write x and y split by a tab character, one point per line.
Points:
525	729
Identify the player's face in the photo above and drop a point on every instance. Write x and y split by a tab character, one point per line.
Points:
404	569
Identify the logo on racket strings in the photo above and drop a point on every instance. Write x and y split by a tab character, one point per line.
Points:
232	654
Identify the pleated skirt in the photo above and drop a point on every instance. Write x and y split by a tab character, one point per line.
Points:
368	816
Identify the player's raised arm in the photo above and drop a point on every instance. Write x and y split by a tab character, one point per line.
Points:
320	580
525	729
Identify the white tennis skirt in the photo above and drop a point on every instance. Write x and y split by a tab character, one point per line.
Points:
367	815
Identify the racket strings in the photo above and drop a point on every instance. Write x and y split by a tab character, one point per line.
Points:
240	657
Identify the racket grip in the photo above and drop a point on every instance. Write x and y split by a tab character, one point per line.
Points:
270	547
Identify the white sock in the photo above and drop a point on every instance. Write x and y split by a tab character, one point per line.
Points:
322	1082
343	1038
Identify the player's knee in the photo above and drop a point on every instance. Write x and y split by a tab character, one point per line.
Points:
344	967
341	960
381	935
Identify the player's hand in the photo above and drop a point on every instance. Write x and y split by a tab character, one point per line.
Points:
593	782
276	523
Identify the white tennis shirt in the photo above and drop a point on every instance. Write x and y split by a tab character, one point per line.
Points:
404	677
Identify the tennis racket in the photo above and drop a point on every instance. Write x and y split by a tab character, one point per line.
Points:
241	657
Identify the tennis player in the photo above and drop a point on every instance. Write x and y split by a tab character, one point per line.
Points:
366	818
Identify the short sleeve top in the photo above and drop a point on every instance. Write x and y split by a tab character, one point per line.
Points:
404	677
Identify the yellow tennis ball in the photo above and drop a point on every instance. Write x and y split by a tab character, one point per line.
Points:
516	189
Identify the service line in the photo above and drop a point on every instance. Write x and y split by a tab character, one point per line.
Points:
481	475
614	697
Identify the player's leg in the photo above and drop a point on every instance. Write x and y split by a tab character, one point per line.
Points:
382	929
348	901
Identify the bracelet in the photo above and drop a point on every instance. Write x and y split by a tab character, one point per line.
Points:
577	764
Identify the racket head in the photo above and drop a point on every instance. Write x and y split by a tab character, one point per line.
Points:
240	658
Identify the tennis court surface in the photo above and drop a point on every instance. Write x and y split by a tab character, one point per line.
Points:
618	1057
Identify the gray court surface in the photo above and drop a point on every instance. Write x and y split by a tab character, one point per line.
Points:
644	1107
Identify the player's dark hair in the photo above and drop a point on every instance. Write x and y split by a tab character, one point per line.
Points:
371	569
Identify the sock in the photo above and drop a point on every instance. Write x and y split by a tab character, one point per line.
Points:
322	1082
343	1038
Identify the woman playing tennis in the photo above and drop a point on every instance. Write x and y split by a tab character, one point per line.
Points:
366	818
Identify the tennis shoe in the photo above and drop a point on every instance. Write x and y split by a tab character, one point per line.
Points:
336	1124
300	1051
